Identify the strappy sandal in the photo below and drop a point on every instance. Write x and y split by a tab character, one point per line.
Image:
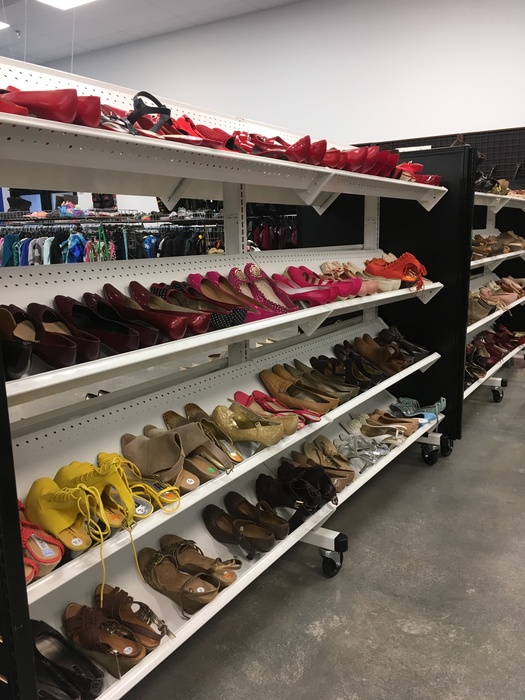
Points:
330	451
118	605
42	552
196	414
250	537
190	559
104	640
261	513
340	478
191	593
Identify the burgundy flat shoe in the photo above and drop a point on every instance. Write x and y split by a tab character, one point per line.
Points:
54	349
382	159
171	325
57	105
355	159
198	322
114	335
88	346
148	335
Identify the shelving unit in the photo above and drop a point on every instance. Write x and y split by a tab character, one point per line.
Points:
496	202
50	424
490	380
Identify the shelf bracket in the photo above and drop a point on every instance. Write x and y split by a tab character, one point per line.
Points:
430	198
371	229
312	323
238	353
235	228
424	369
497	205
425	295
316	187
321	208
179	192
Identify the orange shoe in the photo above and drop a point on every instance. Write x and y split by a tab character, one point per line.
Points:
406	268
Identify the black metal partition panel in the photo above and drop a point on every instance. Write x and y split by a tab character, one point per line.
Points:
441	240
17	674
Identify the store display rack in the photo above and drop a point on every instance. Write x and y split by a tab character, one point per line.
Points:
497	384
496	202
43	154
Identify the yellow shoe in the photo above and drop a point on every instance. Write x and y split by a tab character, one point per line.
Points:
107	481
155	491
66	513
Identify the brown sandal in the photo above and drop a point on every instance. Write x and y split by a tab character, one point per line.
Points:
249	536
190	559
104	640
191	593
262	513
117	604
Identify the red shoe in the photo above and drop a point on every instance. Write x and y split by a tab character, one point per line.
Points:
317	152
216	288
371	158
406	268
299	152
382	160
249	401
388	169
88	346
198	321
148	334
57	105
407	171
171	325
269	291
10	108
434	180
88	111
275	406
306	278
356	158
313	296
331	158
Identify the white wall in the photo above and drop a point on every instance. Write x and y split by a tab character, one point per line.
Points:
351	70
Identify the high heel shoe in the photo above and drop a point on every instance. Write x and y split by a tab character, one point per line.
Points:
198	322
273	405
243	429
57	105
243	403
190	559
103	639
261	514
196	414
356	158
216	288
313	296
171	325
224	528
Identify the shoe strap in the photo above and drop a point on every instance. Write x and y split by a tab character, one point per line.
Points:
117	598
141	109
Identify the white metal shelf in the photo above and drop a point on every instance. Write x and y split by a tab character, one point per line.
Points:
494	260
485	322
492	371
495	202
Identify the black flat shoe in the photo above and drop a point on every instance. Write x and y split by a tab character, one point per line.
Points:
59	653
51	684
16	354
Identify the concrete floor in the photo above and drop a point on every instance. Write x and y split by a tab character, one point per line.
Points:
429	604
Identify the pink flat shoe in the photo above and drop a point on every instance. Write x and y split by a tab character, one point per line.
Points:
306	278
268	290
215	285
242	285
275	406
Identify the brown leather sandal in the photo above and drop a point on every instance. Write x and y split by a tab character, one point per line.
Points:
250	537
190	559
262	513
104	640
191	593
117	604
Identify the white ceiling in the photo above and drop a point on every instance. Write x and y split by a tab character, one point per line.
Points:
48	32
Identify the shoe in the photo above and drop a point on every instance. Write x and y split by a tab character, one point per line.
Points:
16	353
57	105
304	277
295	397
512	241
115	603
380	357
190	560
107	481
394	335
216	288
339	478
320	385
196	414
115	336
224	528
355	159
239	281
198	322
103	639
191	593
43	551
69	514
313	296
248	408
88	346
406	268
50	683
148	335
57	651
384	284
262	514
55	350
170	325
478	309
266	290
272	405
241	428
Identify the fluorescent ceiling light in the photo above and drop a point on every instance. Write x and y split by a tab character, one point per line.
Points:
65	4
3	25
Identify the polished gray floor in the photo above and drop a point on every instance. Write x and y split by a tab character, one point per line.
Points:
430	604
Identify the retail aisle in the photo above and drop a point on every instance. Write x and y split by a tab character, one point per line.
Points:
429	605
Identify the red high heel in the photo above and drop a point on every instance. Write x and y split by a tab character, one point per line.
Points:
10	108
275	406
299	152
355	159
171	325
388	168
371	158
56	105
434	180
198	322
407	171
317	152
382	160
331	158
88	111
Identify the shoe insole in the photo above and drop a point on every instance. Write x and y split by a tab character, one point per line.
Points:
57	327
74	537
43	552
25	331
173	581
186	481
203	469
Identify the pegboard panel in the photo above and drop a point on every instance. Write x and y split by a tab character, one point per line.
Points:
278	260
322	345
26	76
22	285
43	452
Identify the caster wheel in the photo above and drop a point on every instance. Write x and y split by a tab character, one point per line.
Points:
446	446
497	395
332	564
429	455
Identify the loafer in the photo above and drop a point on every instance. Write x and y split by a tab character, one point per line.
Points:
197	321
16	354
88	346
148	335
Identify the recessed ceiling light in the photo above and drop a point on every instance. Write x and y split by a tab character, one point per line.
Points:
3	25
65	4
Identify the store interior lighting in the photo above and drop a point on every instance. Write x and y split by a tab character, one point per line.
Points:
65	4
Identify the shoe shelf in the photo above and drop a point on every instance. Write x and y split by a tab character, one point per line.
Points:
495	202
492	262
40	153
492	371
49	391
475	284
